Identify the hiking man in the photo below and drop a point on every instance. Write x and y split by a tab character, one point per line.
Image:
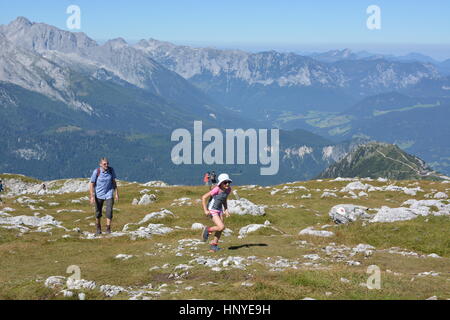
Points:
1	190
102	187
215	210
213	178
43	189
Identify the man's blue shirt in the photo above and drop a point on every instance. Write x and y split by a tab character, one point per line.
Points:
104	187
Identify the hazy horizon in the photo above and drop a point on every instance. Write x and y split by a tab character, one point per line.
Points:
300	26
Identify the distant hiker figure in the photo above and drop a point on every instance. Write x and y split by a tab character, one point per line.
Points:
206	179
1	190
213	178
102	187
215	209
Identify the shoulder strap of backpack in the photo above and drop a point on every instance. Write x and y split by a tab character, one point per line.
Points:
98	174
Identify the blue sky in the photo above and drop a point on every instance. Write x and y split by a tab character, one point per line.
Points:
295	25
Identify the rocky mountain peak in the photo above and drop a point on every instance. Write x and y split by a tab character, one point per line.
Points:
375	160
19	23
116	43
41	36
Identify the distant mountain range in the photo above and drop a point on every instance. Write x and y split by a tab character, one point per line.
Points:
347	54
263	84
65	100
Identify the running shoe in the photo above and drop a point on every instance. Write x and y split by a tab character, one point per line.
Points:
205	234
214	248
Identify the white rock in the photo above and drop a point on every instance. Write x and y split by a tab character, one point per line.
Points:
357	185
362	194
440	195
158	229
197	226
55	281
147	199
157	184
312	257
362	248
328	195
67	210
82	296
182	202
67	293
111	291
183	267
338	179
318	233
157	215
233	261
244	206
81	284
227	232
252	228
122	256
32	221
247	284
424	207
386	214
346	213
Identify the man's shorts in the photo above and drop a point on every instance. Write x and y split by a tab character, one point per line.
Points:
99	207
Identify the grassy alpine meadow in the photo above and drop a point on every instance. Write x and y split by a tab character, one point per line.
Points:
274	262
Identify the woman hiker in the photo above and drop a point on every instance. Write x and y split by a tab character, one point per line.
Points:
102	187
206	179
216	208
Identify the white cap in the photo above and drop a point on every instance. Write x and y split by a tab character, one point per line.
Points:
223	177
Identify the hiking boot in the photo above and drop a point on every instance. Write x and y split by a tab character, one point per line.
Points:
214	248
99	229
108	229
205	234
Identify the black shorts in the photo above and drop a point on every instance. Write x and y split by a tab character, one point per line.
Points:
99	207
